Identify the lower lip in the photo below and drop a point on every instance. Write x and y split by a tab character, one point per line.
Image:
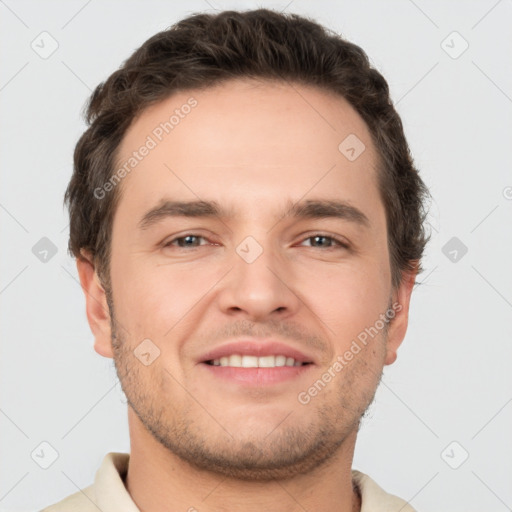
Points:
257	376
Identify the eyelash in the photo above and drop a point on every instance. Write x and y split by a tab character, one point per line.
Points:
341	244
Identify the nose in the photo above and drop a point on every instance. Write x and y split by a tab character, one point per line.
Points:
260	288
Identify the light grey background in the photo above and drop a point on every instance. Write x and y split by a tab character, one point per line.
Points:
452	379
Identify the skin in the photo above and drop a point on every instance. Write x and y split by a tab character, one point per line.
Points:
200	441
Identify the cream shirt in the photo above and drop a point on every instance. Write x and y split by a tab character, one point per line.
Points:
108	493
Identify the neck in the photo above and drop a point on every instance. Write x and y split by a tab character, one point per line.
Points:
158	480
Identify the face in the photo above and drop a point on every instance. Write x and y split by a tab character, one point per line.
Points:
283	261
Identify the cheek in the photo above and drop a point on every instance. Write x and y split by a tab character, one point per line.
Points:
348	300
153	299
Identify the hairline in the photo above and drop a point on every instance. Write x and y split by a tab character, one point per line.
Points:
380	166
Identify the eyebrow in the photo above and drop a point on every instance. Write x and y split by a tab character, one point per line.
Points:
310	209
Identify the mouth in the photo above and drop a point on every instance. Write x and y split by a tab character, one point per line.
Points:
251	361
256	375
254	363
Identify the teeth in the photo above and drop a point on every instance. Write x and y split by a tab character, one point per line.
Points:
247	362
239	361
280	360
236	360
267	361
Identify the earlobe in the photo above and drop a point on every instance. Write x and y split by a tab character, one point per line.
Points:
398	325
391	356
97	311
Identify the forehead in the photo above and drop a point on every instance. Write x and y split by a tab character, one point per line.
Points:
247	140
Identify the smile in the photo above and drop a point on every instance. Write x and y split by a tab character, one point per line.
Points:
248	361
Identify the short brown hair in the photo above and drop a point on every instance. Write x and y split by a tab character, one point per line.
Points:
208	49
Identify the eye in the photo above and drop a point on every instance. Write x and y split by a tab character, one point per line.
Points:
318	241
188	240
326	242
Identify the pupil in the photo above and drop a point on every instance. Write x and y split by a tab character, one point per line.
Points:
189	238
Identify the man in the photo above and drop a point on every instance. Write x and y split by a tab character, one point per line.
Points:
248	227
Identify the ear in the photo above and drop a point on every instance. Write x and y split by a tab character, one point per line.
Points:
400	305
97	311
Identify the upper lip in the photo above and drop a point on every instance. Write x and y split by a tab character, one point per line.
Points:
258	348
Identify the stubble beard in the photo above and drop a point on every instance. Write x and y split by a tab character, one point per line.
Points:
283	453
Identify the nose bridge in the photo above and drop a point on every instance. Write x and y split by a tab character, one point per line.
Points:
257	282
254	261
